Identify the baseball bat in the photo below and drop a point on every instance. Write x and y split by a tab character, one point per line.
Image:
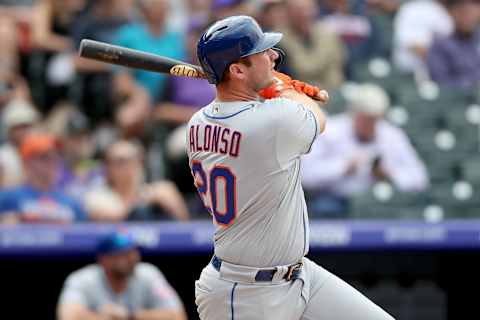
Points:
122	56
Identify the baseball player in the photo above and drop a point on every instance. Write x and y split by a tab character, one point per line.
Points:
244	151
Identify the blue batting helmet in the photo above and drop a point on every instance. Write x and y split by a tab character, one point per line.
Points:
230	39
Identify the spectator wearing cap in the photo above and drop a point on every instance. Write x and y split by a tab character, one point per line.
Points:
126	196
19	118
79	171
37	200
454	60
119	287
358	149
138	88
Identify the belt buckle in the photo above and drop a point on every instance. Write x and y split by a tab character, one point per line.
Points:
292	269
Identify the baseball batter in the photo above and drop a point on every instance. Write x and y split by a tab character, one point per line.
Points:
244	150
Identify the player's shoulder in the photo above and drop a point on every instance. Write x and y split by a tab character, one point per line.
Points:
86	275
147	272
196	117
280	106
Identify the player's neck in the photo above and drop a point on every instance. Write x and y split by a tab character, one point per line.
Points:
117	284
229	93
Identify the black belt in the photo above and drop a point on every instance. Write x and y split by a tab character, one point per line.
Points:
266	274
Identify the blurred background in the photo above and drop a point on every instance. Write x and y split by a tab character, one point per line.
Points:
393	186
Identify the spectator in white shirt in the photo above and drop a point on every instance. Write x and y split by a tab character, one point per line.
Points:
359	148
416	24
19	119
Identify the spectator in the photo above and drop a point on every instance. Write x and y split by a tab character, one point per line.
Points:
79	171
314	53
19	10
19	118
416	23
198	10
361	7
359	148
9	62
224	8
153	36
184	97
37	201
12	86
119	287
51	29
125	195
94	92
454	60
360	35
272	15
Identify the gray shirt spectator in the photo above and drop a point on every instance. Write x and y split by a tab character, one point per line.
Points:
118	287
147	289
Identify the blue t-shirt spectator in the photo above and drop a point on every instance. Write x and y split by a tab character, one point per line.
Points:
36	206
170	44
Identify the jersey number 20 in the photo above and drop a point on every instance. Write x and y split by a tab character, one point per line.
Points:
207	187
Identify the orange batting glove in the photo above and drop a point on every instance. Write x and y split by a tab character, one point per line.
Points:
281	82
284	82
313	92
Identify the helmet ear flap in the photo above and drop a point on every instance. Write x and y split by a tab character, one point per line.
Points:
280	59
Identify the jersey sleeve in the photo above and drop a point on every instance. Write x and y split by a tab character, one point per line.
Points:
160	292
296	128
73	291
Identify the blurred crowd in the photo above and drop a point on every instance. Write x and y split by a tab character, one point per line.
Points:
82	140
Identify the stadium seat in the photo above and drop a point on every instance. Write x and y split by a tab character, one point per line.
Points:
388	204
337	102
459	199
471	169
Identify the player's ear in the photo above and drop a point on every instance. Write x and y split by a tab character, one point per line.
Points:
237	71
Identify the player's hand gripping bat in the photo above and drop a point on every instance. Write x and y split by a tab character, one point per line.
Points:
122	56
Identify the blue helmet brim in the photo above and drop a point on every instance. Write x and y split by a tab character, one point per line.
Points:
269	41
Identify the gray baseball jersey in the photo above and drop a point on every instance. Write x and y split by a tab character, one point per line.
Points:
245	159
147	289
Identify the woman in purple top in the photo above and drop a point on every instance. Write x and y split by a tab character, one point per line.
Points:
185	95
